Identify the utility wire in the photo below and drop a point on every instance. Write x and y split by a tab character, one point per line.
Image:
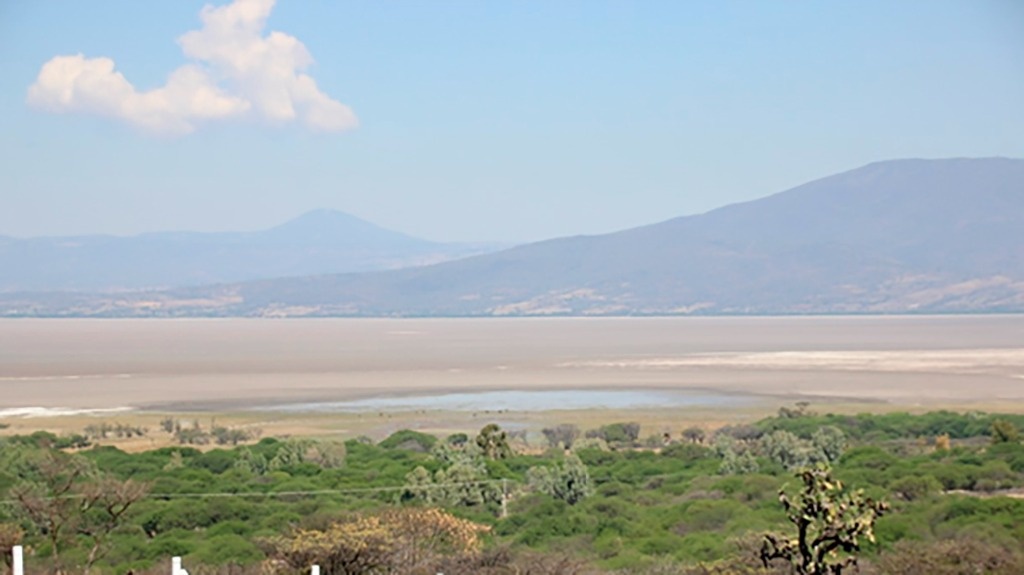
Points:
310	492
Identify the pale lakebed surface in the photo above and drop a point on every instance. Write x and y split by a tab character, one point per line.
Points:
528	364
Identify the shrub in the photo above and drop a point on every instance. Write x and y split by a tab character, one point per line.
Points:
410	440
913	487
620	433
1003	431
395	540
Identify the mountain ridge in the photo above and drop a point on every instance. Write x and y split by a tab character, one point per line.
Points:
902	236
316	242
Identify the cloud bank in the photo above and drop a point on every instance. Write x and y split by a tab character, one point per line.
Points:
236	72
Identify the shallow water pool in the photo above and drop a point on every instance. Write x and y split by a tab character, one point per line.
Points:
524	401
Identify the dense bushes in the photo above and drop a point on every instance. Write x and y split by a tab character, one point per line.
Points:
607	503
894	426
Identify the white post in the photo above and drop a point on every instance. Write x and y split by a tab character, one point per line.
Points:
17	562
315	570
176	568
504	500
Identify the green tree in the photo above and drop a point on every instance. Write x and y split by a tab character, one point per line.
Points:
410	440
464	482
787	449
738	463
568	481
830	522
254	463
419	485
1003	431
830	442
493	442
617	433
290	453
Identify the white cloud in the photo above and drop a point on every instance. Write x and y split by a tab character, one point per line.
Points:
237	72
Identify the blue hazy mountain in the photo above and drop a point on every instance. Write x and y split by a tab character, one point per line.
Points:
318	242
891	237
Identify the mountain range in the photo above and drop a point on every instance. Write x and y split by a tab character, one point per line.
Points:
901	236
318	242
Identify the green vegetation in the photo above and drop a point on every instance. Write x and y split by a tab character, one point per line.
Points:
700	504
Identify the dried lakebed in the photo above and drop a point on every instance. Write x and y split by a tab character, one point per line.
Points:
513	364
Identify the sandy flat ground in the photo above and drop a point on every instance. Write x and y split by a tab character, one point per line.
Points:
240	364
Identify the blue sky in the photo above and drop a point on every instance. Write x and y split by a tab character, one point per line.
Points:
508	121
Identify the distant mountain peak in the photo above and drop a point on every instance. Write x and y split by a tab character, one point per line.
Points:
323	215
324	218
324	225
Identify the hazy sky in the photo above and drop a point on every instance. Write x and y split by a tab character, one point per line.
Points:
479	120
